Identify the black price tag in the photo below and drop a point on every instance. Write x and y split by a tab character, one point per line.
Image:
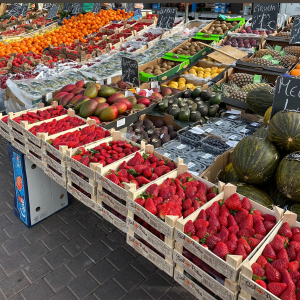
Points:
52	12
67	7
24	9
265	16
166	18
15	10
294	156
47	6
97	8
129	7
295	34
287	95
77	8
130	71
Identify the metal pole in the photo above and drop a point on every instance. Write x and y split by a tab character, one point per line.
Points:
186	19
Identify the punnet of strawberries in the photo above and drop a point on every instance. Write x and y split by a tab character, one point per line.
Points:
277	269
55	126
41	115
105	153
176	196
79	138
230	227
140	170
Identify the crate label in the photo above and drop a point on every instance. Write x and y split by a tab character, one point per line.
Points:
218	123
181	146
254	124
78	166
47	159
113	203
244	130
81	182
113	188
233	137
49	96
232	143
121	122
191	164
209	130
19	146
206	156
166	154
55	177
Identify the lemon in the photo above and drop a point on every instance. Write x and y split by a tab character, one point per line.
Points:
200	69
182	80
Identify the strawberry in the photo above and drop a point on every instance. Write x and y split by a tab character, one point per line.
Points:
260	228
233	202
231	245
212	241
298	295
280	264
262	261
261	283
233	237
187	204
298	257
269	225
295	245
240	250
241	215
149	205
253	242
189	228
202	234
289	293
291	253
214	208
202	187
188	212
286	278
247	223
283	254
223	220
196	204
77	157
200	224
221	250
212	230
295	230
257	218
211	196
231	220
256	212
195	238
270	218
269	253
285	230
152	190
259	236
246	204
142	181
212	189
296	237
258	271
293	266
295	275
233	229
213	221
224	210
223	234
272	274
278	243
141	201
202	215
277	288
245	233
243	242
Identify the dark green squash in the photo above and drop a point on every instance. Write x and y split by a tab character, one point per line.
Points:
229	174
284	131
288	177
296	210
267	116
278	198
255	160
260	99
262	133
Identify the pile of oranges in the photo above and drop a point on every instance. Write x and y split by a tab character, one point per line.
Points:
72	29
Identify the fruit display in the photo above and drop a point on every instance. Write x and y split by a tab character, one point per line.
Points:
286	31
190	49
219	27
230	227
201	72
176	197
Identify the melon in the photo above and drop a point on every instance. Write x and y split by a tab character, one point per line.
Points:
262	133
229	174
267	116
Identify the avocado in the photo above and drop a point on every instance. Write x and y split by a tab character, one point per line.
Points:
203	110
195	116
159	123
163	130
156	143
187	93
165	138
173	135
155	135
196	92
213	109
163	105
199	100
137	124
148	126
170	128
174	110
202	120
173	101
184	114
192	105
216	99
181	102
205	95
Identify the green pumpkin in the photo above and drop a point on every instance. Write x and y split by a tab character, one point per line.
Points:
229	174
284	131
255	160
288	177
296	210
267	116
262	133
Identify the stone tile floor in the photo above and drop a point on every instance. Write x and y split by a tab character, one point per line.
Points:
74	254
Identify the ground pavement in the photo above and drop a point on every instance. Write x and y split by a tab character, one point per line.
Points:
74	254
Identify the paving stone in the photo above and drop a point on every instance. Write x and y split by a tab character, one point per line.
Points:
165	276
144	266
72	229
103	271
63	294
129	278
97	251
76	245
91	297
36	270
70	214
15	245
35	233
2	276
177	292
88	220
35	251
83	286
79	264
106	226
137	294
11	216
92	234
155	286
4	221
120	258
165	297
14	263
4	184
54	240
57	257
110	290
16	297
83	209
3	236
59	278
53	223
3	255
113	245
38	291
131	250
14	284
15	229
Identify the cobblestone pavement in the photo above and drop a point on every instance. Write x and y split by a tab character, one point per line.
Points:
74	254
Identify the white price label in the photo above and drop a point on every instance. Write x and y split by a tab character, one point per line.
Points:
218	123
166	154
108	80
191	164
232	117
154	84
208	130
234	112
232	143
245	130
254	124
181	146
48	96
206	156
128	93
121	122
233	137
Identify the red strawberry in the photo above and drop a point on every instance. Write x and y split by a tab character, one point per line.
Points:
246	233
293	266
277	288
291	253
243	242
295	245
297	257
202	234
232	237
246	203
241	215
231	221
269	253
295	276
202	215
253	242
296	237
223	234
187	204
280	264
272	274
286	278
224	210
259	236
262	261
231	245
295	230
261	283
188	212
257	218
211	196
221	250
140	201
278	243
202	187
260	228
270	218
258	271
285	230
240	250
212	241
256	212
233	202
189	228
247	223
214	208
298	295
269	225
195	238
223	220
196	204
149	205
213	221
212	230
200	223
283	254
233	229
289	293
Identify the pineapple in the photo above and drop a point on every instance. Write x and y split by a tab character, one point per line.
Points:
261	62
252	86
294	50
231	91
241	79
284	34
287	60
268	51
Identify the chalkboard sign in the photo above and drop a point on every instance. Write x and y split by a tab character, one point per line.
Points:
52	12
67	7
287	95
77	8
24	9
265	16
294	156
130	71
129	7
96	8
15	10
295	34
166	18
47	6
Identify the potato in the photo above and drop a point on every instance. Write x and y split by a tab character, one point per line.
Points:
156	67
148	71
171	63
185	47
169	67
164	65
163	69
157	72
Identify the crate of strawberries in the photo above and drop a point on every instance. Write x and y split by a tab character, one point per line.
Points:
5	129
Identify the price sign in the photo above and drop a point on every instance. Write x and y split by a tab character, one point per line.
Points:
52	12
97	8
294	156
166	18
287	95
47	6
24	9
129	7
15	10
265	16
295	34
67	7
77	8
130	71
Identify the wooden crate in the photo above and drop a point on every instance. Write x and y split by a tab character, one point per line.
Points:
5	129
250	288
89	201
229	268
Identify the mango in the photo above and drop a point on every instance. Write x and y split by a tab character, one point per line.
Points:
91	91
68	88
88	108
59	96
138	106
106	91
108	114
77	91
74	100
80	102
132	99
89	83
124	100
144	101
66	99
99	108
80	83
122	107
110	100
100	99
